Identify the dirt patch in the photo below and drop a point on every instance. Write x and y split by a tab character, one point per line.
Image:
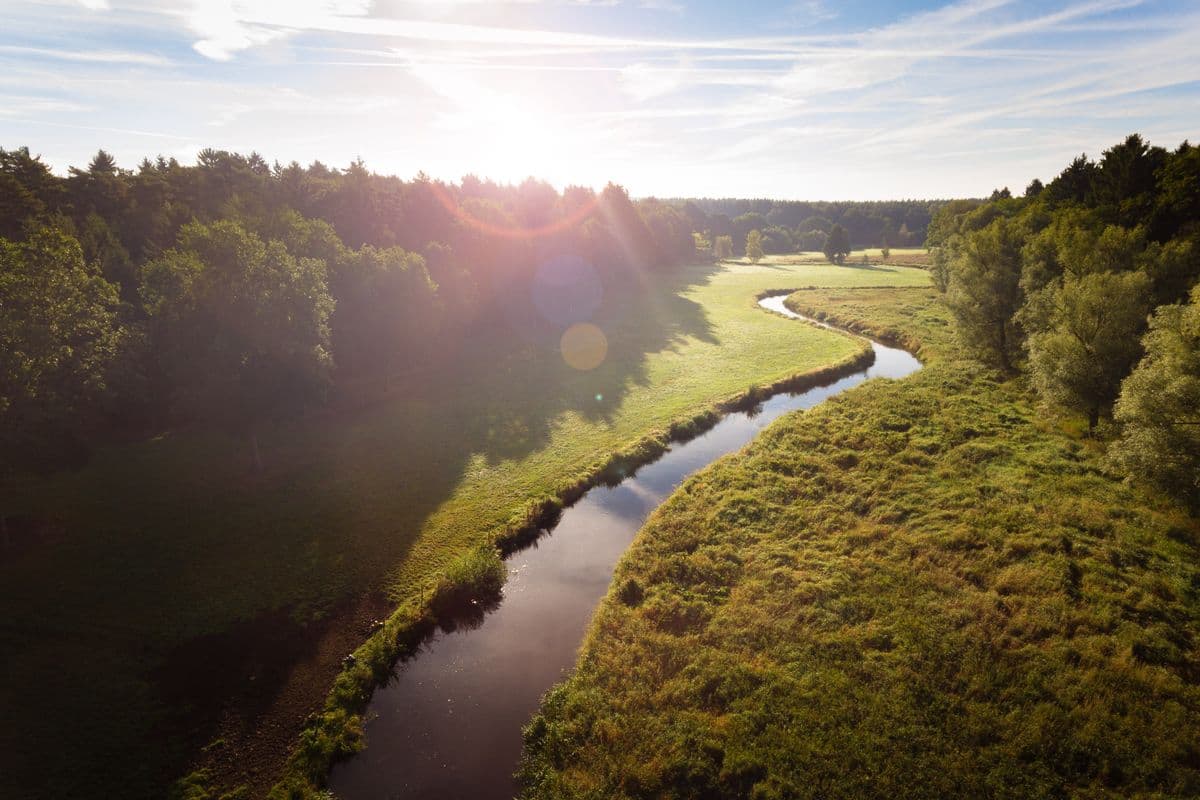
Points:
243	695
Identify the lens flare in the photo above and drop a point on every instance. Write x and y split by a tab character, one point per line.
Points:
584	346
569	221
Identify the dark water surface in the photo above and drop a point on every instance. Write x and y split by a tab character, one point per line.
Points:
448	726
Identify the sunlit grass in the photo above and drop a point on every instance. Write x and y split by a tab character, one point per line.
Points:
919	589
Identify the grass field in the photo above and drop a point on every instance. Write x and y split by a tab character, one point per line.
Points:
919	589
163	598
897	256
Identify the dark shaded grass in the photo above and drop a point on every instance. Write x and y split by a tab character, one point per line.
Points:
919	589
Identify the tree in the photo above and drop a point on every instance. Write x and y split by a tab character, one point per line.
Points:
1092	341
59	335
754	248
387	310
1034	188
885	252
723	247
242	326
940	259
1159	406
837	245
984	292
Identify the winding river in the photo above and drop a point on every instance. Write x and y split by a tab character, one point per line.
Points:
448	725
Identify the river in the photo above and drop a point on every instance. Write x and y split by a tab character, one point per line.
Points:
448	725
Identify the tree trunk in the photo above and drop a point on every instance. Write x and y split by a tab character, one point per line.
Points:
254	450
1093	419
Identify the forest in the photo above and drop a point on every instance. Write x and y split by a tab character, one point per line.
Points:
788	226
232	292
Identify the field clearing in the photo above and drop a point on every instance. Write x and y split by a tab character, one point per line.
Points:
163	576
897	256
918	589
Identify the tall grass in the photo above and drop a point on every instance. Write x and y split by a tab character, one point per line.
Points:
919	589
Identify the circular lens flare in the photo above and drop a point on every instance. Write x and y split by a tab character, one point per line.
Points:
584	346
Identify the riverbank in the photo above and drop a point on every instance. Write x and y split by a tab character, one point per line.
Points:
919	589
494	671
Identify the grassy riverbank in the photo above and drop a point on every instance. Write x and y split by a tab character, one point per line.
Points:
920	588
161	598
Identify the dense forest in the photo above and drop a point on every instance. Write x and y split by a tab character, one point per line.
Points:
1082	285
789	226
232	292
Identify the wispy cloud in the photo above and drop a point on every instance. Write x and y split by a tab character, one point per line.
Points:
787	98
90	56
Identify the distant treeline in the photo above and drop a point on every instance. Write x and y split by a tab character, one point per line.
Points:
790	226
1089	287
233	291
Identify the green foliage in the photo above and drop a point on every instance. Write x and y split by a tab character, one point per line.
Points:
1159	405
915	590
240	325
837	245
940	259
1091	343
387	310
1099	247
723	247
754	246
59	336
474	576
984	292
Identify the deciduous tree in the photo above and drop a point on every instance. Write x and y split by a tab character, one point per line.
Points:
984	292
59	335
723	247
1092	341
1159	406
242	326
754	247
837	245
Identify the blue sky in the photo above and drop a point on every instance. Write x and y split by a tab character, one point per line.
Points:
809	100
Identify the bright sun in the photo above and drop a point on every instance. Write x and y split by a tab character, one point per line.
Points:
516	141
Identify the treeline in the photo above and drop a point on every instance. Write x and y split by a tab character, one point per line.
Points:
1088	286
792	226
234	291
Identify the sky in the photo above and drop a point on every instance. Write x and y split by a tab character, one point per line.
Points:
813	99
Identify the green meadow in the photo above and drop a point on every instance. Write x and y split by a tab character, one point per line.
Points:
166	594
919	589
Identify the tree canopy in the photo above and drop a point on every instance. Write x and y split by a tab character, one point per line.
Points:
837	245
59	335
1058	284
1159	405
